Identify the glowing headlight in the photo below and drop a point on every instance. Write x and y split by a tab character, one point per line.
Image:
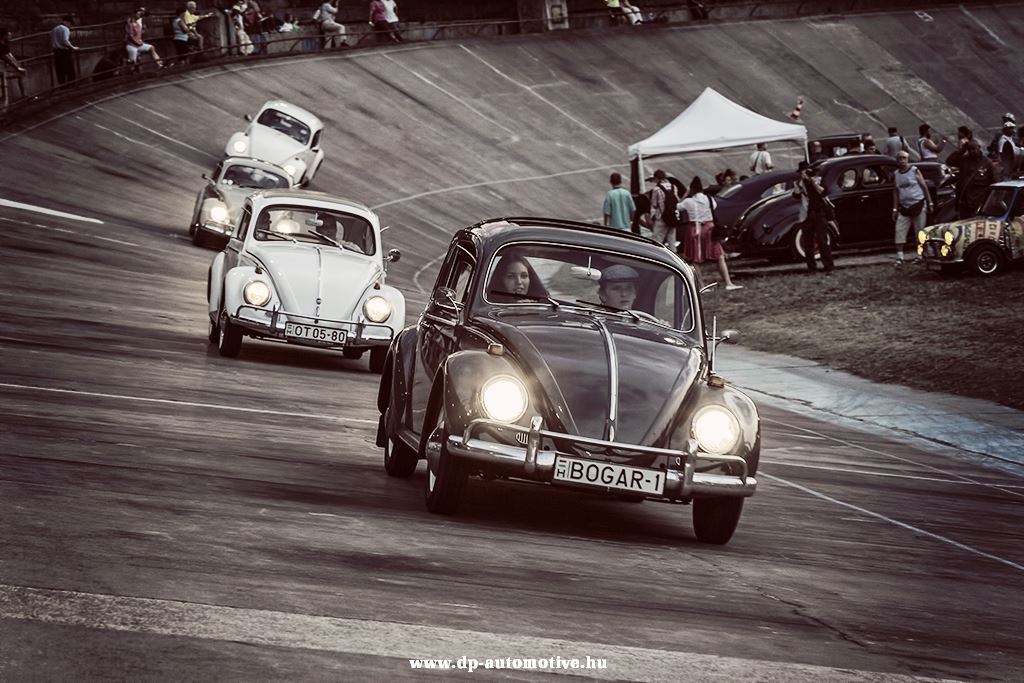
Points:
219	214
716	429
920	250
290	169
377	309
945	250
922	237
256	293
948	237
239	146
504	398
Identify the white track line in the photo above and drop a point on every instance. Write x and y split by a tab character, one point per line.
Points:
978	21
391	640
190	404
895	522
875	473
157	133
48	212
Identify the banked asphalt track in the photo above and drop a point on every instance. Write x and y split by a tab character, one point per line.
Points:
167	513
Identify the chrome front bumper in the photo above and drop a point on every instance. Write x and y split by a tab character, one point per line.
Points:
531	462
271	325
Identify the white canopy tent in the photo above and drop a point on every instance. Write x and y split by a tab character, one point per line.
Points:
712	122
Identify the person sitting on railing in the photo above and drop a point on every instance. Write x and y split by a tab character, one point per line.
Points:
622	9
192	20
334	33
182	40
134	43
7	58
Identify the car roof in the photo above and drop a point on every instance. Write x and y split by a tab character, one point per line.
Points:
280	196
298	112
496	232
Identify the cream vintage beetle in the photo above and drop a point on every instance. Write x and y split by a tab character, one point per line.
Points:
282	134
305	268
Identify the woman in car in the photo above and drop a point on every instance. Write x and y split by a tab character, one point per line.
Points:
514	277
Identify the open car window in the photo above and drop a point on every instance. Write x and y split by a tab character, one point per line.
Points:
573	275
256	178
313	225
283	123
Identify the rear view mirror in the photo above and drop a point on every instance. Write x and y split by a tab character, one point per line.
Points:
585	273
314	223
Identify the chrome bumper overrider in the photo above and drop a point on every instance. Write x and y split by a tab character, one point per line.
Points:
272	324
531	462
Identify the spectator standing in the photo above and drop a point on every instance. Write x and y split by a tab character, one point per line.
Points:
63	50
379	21
911	203
927	148
391	16
893	144
761	160
254	26
699	246
334	32
134	44
619	207
663	202
814	216
7	60
242	40
181	38
993	147
1007	152
972	183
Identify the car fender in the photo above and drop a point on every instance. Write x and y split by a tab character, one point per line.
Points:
298	178
740	405
397	300
780	216
229	149
314	166
396	384
973	246
236	279
215	285
463	375
206	205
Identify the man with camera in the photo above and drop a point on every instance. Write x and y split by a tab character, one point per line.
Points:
814	216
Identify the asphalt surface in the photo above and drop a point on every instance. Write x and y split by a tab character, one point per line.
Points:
168	513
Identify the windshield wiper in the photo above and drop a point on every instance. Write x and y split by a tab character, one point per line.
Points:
611	309
278	235
327	239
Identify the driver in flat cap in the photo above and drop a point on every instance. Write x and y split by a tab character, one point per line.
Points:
617	287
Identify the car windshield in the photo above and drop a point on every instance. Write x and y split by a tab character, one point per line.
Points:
252	177
997	203
730	191
596	280
329	227
734	190
283	123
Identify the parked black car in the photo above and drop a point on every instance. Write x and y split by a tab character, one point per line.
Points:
568	354
838	144
861	188
734	201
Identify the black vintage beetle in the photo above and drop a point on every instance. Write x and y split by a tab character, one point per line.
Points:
575	355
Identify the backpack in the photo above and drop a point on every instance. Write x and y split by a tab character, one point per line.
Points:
671	213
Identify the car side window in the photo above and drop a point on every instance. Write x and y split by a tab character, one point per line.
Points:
316	140
1018	206
848	179
873	176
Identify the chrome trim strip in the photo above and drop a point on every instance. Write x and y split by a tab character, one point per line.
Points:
319	281
613	380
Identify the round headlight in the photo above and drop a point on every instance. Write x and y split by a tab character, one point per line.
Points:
716	429
948	237
945	250
377	309
239	146
219	214
256	293
922	237
504	398
290	169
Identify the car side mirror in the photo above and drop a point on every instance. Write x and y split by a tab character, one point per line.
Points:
730	336
445	298
205	177
247	117
708	287
394	256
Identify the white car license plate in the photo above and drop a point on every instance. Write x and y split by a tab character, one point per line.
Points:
316	333
619	477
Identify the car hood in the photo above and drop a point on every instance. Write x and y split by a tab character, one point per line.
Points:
304	273
566	354
980	225
269	145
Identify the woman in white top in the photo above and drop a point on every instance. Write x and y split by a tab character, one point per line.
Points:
698	245
928	149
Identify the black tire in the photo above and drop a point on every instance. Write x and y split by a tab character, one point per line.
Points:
986	260
715	519
444	484
229	341
399	460
198	237
214	334
378	357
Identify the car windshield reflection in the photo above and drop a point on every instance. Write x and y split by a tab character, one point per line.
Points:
575	276
255	178
317	225
283	123
998	200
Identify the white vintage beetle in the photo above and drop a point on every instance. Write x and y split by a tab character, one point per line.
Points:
282	134
305	268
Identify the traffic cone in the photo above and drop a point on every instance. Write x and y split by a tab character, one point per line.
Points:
795	114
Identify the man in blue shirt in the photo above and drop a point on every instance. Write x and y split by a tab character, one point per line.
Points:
63	59
618	205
